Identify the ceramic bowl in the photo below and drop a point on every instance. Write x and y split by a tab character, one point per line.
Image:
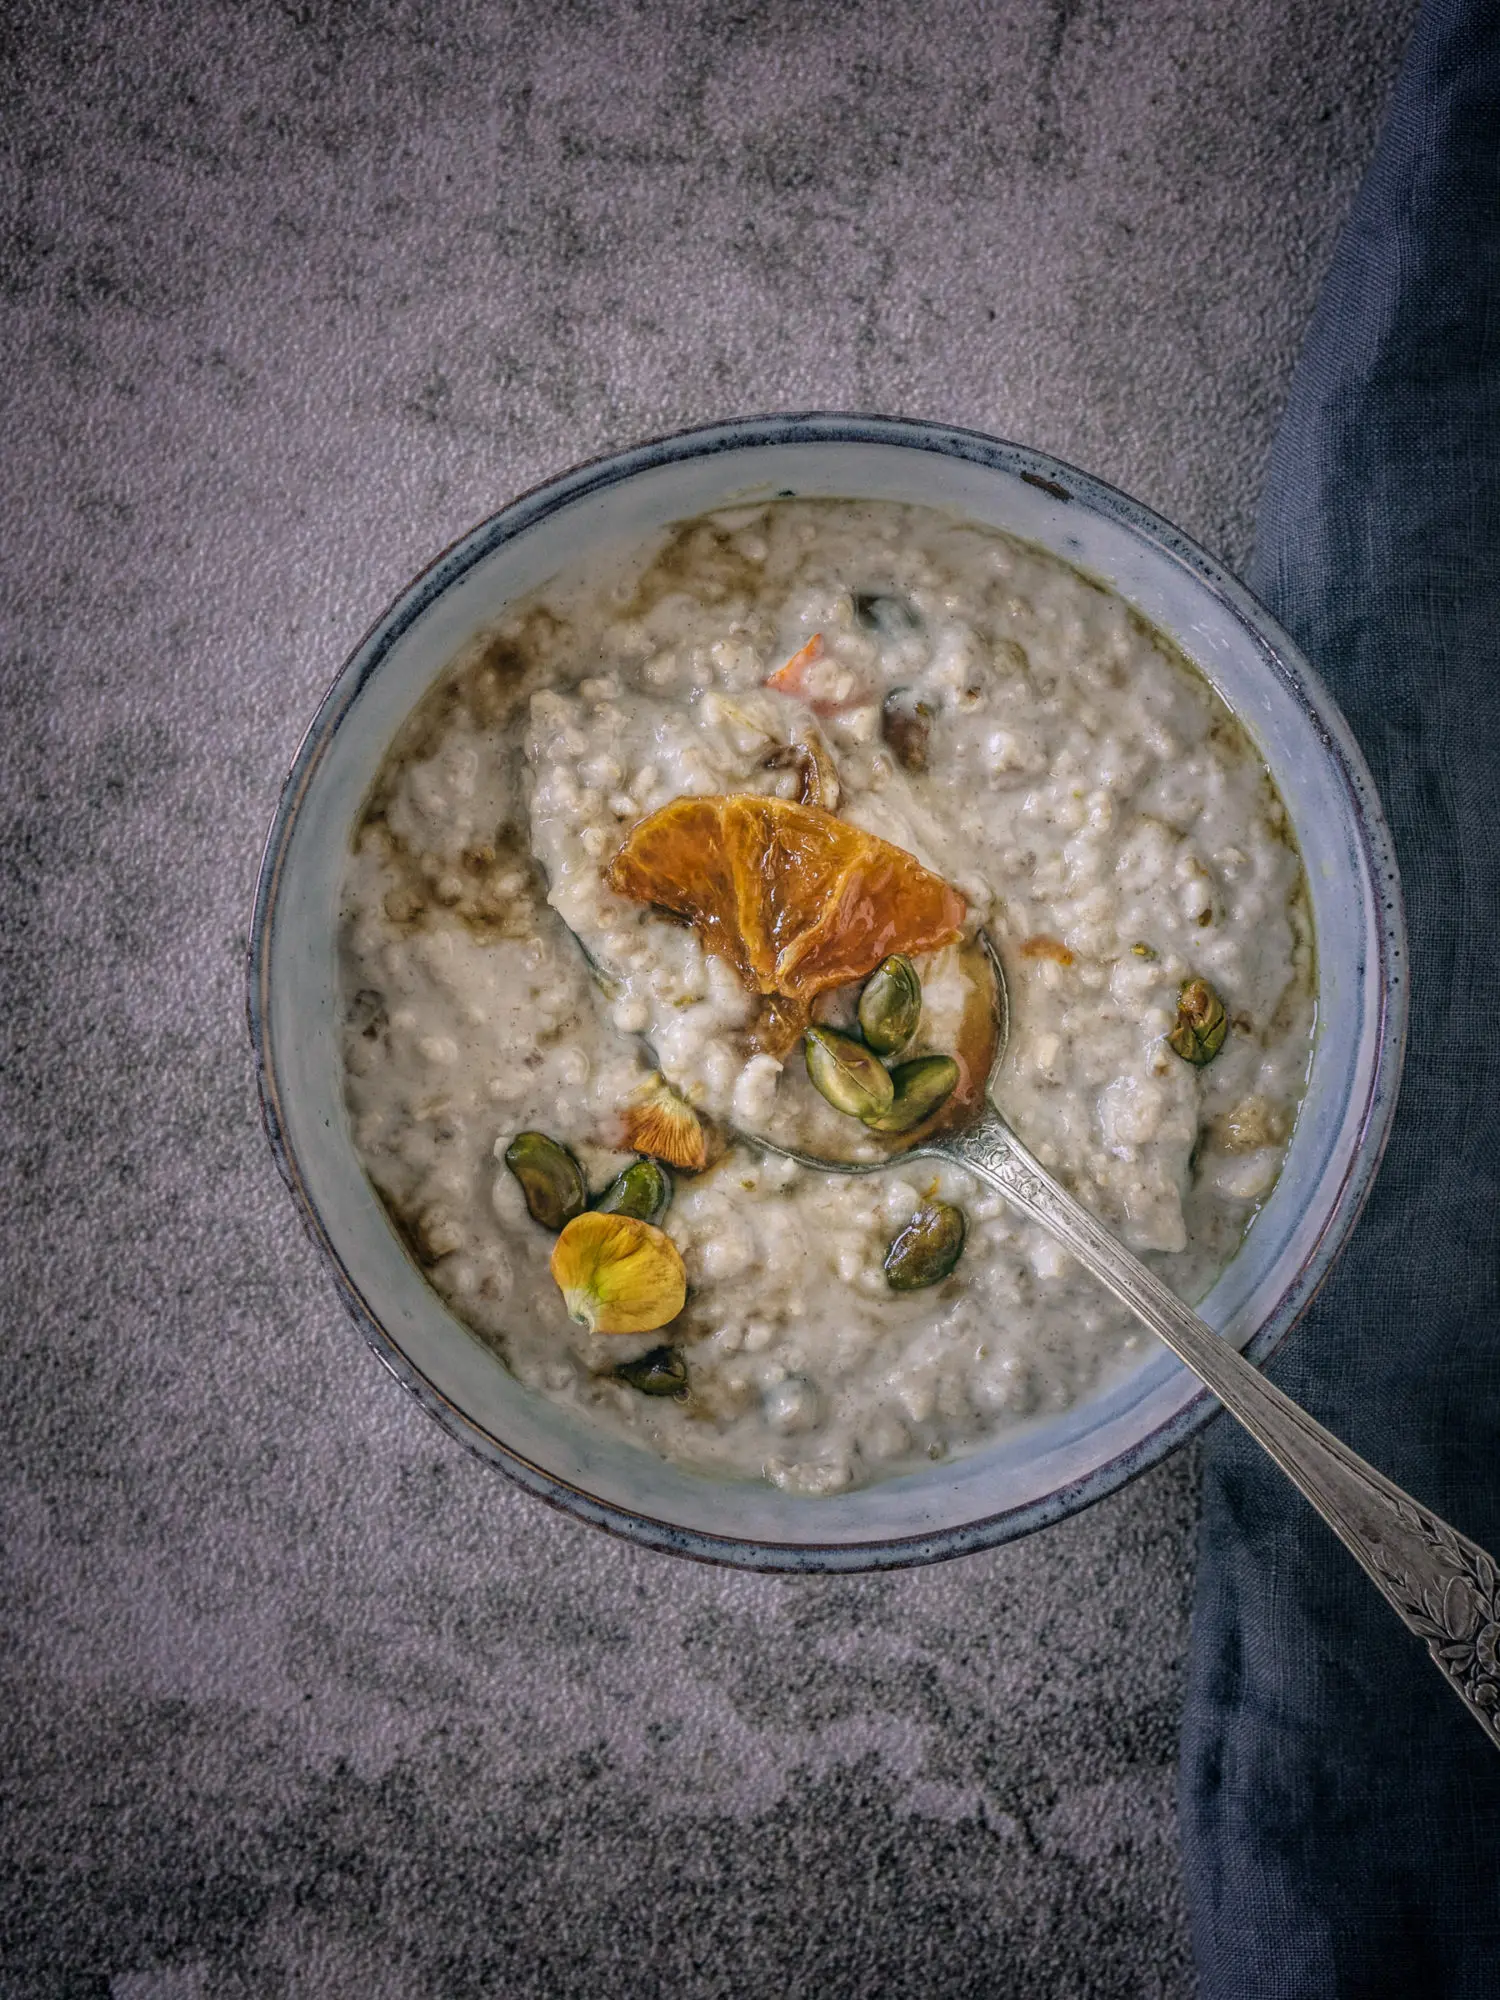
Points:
1026	1477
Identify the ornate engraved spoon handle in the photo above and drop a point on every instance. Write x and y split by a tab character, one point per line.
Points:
1443	1586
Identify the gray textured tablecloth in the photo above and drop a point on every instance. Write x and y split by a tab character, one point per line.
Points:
298	1699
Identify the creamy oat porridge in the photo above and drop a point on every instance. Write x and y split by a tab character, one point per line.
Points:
696	844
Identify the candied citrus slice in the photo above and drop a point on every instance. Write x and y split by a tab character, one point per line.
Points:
795	899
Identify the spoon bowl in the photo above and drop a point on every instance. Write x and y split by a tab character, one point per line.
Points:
970	1106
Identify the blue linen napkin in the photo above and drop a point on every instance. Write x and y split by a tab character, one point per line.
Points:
1340	1811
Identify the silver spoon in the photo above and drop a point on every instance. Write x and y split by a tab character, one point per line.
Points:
1443	1586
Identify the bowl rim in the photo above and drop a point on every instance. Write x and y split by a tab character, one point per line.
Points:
1065	482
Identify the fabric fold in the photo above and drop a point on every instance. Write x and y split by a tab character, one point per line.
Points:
1340	1812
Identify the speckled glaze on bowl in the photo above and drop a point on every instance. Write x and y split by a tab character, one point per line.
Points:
1030	1476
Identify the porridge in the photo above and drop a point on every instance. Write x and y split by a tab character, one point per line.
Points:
696	846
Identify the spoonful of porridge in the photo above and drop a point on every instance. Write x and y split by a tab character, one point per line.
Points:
806	906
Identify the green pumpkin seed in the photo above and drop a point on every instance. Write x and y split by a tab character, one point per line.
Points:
643	1189
551	1179
847	1074
927	1248
1198	1033
919	1088
891	1006
662	1372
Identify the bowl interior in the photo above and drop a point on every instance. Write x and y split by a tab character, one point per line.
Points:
1051	1465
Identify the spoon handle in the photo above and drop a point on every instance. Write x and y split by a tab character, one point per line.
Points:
1443	1586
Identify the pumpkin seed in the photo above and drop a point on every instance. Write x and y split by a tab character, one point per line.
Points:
927	1248
551	1179
662	1372
847	1073
891	1006
643	1189
1198	1033
918	1087
906	725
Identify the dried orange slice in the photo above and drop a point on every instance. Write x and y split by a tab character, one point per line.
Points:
795	899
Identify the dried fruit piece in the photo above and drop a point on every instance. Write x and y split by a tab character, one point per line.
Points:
891	1005
815	768
551	1179
662	1372
918	1088
791	678
906	726
795	899
1046	947
927	1248
1197	1035
847	1074
810	676
643	1189
663	1124
618	1274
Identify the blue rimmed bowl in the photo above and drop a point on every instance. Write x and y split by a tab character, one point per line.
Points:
1025	1478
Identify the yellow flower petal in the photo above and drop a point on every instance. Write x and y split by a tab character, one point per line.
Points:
618	1274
